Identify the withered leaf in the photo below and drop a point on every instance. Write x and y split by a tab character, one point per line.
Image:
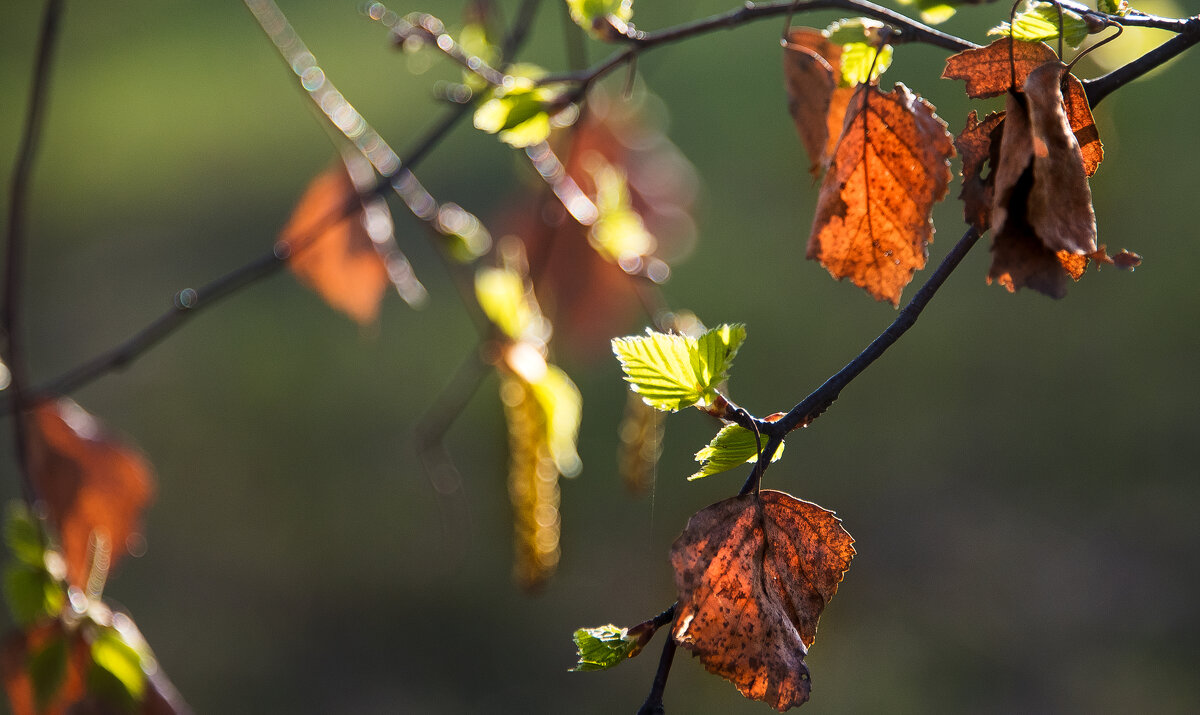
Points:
975	145
35	685
873	220
811	67
1037	136
331	250
989	71
94	487
754	573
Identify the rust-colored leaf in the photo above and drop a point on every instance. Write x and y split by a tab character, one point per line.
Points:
811	67
754	573
1038	139
94	487
873	222
989	71
15	660
975	145
331	250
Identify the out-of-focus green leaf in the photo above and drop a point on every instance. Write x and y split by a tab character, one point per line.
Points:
22	535
501	294
934	11
598	16
732	447
48	669
116	668
858	29
671	372
604	647
619	232
1040	23
519	111
1120	8
32	593
859	63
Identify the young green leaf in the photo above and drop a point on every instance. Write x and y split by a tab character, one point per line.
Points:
519	111
671	372
935	11
601	18
502	295
22	535
860	65
116	668
1040	23
619	233
32	593
732	447
603	647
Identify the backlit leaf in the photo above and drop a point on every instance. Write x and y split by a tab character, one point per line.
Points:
753	574
94	487
116	671
812	69
874	215
990	71
601	17
1040	22
619	233
732	447
863	64
671	372
32	594
22	535
519	111
976	144
502	294
331	249
1042	205
30	666
603	647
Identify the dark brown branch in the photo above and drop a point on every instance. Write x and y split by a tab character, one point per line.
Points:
654	701
18	206
906	30
1100	87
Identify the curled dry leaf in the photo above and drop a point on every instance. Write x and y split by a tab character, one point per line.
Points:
1042	206
94	487
990	71
874	214
811	67
975	145
331	249
754	573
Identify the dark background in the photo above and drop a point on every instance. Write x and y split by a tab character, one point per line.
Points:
1018	472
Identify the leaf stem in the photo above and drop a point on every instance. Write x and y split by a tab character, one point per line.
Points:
653	704
17	230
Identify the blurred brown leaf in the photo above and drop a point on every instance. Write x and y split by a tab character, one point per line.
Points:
331	250
874	214
90	483
15	655
811	68
754	573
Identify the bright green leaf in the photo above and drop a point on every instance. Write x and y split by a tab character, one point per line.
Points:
671	372
619	233
534	130
501	294
595	15
22	535
934	11
604	647
1120	8
519	111
32	593
1040	23
48	669
732	447
860	65
116	667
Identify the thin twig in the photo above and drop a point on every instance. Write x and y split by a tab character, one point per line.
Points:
654	701
18	206
1100	87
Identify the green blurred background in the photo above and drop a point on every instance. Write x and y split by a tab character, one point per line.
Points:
1015	471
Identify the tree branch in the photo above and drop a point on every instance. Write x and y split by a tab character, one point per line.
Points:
1100	87
17	228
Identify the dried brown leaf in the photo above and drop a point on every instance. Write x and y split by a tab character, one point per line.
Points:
874	215
1083	125
811	67
94	487
989	71
976	145
332	252
754	573
15	653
